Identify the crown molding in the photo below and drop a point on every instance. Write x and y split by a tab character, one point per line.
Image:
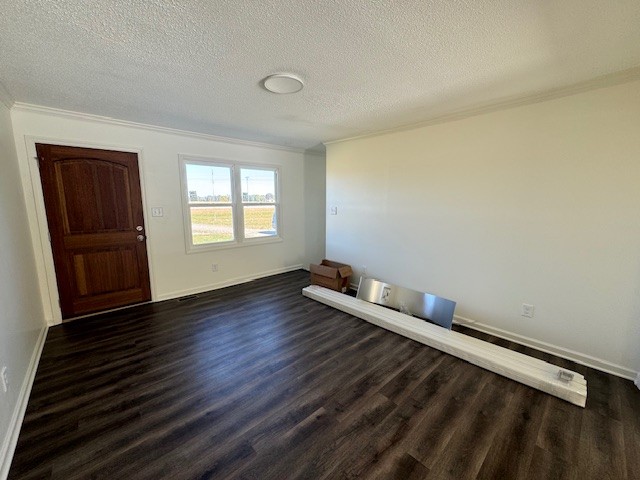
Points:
5	97
315	153
69	114
617	78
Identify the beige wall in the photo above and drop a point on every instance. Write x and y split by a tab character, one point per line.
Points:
21	317
537	204
174	272
315	201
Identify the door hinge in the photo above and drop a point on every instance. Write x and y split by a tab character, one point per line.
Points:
49	235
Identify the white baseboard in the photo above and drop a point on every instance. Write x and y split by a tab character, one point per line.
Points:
11	439
581	358
226	283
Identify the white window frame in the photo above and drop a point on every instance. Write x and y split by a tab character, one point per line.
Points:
237	205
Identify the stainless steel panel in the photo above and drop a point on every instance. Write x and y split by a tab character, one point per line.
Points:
423	305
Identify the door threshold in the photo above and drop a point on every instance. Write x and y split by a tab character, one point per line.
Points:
101	312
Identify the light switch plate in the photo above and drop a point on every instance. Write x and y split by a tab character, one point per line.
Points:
157	212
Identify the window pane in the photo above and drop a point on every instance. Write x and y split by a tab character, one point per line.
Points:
208	183
260	221
258	186
211	224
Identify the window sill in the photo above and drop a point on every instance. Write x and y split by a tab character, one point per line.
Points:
252	242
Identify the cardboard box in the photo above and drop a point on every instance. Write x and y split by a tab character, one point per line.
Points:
332	275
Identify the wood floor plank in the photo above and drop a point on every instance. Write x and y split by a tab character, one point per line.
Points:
630	405
602	452
394	437
429	440
404	467
231	411
423	363
297	455
246	423
603	397
466	451
560	431
545	465
518	427
257	381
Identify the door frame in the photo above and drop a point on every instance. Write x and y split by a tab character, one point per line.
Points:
40	230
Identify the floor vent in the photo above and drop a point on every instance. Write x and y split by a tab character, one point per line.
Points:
188	297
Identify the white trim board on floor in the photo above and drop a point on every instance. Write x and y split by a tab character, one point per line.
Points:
581	358
562	352
514	365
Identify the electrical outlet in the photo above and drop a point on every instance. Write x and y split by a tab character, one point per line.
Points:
214	267
527	310
4	379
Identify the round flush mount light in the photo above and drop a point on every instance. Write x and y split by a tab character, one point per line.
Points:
283	83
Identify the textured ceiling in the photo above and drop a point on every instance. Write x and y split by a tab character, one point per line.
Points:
368	65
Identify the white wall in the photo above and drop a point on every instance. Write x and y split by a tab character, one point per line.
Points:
315	201
537	204
21	318
173	272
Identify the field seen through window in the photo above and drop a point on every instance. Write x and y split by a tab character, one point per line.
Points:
215	224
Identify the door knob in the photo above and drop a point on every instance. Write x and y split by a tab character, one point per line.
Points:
139	228
140	238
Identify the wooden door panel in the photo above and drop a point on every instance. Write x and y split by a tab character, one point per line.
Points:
98	193
100	240
106	271
94	211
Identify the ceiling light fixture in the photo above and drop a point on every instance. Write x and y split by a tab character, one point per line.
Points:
282	83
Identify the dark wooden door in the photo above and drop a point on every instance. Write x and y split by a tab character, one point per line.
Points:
94	210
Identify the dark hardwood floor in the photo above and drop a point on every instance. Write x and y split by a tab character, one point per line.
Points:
258	382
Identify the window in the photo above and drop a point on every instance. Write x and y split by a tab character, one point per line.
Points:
227	204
